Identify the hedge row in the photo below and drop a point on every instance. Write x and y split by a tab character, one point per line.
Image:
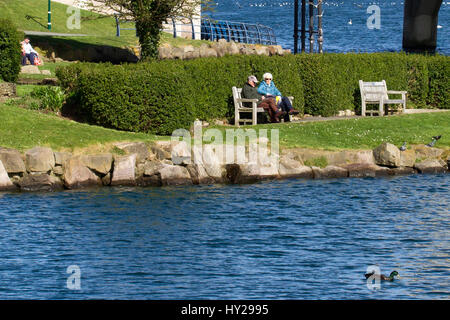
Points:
10	51
161	96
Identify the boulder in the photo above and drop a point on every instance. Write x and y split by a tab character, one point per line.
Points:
139	148
124	170
180	153
174	175
198	174
100	163
12	161
291	168
360	170
329	172
430	166
424	152
5	182
211	162
30	69
387	154
61	157
77	175
39	159
252	172
46	72
40	182
402	171
407	158
233	48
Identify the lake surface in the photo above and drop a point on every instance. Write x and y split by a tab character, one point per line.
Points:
339	36
291	239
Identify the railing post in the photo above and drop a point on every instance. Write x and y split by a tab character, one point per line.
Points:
193	29
259	33
311	26
228	32
117	25
174	28
245	32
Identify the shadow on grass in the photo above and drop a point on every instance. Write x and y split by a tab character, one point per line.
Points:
70	49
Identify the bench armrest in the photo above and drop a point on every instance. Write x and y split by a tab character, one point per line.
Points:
396	92
247	100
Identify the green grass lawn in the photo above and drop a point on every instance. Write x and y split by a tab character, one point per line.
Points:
22	129
363	133
101	30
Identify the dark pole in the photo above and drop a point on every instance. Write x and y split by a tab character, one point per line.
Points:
49	24
311	26
320	32
303	25
296	27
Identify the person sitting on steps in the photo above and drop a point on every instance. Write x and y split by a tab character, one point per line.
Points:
28	52
268	89
249	91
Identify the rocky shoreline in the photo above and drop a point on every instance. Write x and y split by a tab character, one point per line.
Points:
141	164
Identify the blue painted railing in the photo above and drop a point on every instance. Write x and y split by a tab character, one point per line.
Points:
214	30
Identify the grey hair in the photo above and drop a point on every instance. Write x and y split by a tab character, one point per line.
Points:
267	75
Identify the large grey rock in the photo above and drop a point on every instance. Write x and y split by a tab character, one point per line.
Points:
407	158
252	172
141	150
12	161
387	154
61	157
77	175
291	168
402	171
175	175
198	174
181	153
5	182
212	163
329	172
124	170
30	69
430	166
99	163
336	158
39	159
360	170
424	152
40	182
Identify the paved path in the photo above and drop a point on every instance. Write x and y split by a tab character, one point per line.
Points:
408	111
54	34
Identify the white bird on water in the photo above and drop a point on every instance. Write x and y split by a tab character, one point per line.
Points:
439	26
350	22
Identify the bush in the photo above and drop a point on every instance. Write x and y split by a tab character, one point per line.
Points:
10	51
162	96
50	98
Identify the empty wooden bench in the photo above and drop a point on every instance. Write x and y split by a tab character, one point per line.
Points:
239	107
377	93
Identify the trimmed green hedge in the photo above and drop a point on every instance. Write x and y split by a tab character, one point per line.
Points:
162	96
10	51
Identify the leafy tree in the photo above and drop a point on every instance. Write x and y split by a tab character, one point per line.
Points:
149	16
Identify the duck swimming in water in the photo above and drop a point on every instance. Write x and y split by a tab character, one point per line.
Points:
382	276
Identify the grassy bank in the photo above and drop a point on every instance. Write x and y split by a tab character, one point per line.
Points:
100	30
363	133
22	129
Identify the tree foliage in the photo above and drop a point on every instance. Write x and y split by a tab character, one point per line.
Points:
149	16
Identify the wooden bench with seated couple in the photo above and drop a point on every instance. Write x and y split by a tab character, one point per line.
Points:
239	107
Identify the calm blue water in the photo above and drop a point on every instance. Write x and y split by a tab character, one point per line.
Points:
292	239
339	36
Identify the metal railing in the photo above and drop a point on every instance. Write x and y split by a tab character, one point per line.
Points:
214	30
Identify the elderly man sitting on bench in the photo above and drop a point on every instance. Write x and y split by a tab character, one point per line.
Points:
249	91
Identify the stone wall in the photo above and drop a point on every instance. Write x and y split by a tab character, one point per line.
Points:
169	163
218	49
7	89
